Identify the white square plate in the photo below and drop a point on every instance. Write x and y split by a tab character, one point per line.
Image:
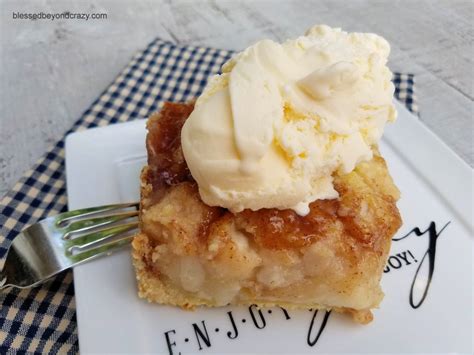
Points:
103	167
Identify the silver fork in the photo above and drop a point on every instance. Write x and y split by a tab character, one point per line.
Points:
57	243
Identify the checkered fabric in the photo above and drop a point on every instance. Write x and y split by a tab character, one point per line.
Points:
43	319
405	91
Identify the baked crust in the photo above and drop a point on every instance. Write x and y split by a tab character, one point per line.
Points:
189	254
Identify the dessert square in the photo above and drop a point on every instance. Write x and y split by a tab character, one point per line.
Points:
190	254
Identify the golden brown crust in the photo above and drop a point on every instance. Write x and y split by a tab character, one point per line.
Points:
341	246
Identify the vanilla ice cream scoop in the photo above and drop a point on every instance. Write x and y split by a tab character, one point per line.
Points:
281	119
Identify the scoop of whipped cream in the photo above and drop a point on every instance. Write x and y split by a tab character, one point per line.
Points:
281	119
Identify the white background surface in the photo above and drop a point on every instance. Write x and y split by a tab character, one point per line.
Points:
50	71
113	319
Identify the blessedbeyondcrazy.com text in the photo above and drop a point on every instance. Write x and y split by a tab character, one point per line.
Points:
66	15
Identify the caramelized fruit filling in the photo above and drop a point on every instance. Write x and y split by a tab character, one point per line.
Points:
163	142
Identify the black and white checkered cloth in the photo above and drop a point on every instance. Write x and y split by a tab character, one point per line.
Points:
43	319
